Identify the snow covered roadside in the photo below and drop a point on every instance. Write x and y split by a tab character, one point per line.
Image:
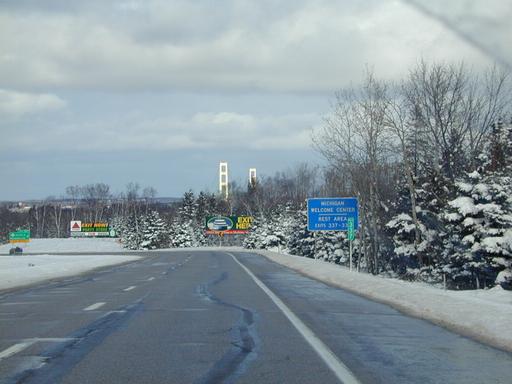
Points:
67	245
18	271
484	315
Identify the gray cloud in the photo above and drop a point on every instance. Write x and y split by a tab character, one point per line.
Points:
142	84
17	104
202	130
305	46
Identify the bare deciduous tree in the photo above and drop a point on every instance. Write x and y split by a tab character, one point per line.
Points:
148	194
356	141
457	109
398	120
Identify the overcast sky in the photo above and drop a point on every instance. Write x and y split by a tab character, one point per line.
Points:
159	91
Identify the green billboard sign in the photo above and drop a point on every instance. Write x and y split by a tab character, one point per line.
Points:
228	224
22	235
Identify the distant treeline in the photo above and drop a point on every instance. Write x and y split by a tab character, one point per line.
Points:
429	159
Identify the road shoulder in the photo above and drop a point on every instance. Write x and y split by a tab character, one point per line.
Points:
24	271
472	314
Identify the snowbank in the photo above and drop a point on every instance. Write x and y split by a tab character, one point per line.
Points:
67	245
484	315
17	271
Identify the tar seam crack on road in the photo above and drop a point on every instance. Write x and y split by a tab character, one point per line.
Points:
244	344
62	357
175	266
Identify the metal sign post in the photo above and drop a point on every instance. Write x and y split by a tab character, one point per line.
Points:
350	252
350	236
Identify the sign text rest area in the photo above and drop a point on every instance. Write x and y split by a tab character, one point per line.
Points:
332	214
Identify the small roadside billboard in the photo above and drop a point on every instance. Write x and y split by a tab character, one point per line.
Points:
20	236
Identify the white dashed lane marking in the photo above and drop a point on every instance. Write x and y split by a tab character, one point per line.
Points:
151	279
94	306
129	288
16	348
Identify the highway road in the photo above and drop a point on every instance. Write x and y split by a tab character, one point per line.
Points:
219	317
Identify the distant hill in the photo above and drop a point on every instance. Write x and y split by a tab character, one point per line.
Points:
167	200
29	203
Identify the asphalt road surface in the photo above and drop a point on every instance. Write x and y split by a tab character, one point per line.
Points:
215	317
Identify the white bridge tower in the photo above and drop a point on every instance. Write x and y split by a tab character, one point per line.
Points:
223	179
252	177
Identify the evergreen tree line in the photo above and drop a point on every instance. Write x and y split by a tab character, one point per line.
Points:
51	217
182	227
429	159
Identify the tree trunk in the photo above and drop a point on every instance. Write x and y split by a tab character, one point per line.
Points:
412	194
57	214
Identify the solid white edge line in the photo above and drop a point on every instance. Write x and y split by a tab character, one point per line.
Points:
341	371
94	306
129	288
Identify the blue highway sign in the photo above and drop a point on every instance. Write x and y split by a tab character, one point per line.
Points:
332	213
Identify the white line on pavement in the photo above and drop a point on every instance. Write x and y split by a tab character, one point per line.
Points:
16	348
94	306
129	288
330	359
151	279
115	311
